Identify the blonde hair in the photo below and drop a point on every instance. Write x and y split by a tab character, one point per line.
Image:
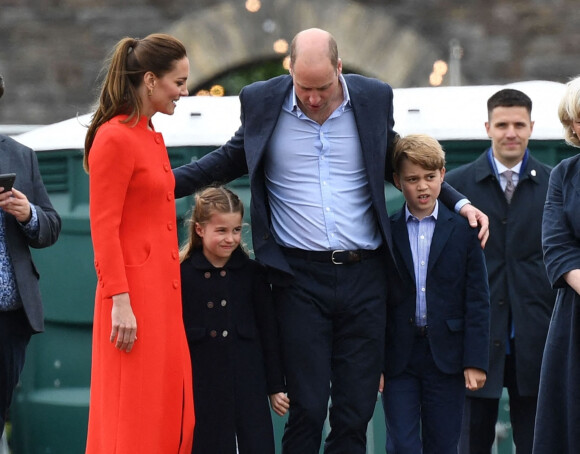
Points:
208	202
420	149
569	111
130	59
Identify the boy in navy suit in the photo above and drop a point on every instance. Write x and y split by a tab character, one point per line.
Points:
438	311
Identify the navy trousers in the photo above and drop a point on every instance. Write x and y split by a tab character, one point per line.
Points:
15	334
423	406
332	326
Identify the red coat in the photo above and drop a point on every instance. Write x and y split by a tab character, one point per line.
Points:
142	401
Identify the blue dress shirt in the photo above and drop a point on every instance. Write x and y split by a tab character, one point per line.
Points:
420	236
317	182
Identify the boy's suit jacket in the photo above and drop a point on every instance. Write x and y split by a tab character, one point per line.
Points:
457	297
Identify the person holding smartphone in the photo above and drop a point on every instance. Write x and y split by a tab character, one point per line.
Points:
27	219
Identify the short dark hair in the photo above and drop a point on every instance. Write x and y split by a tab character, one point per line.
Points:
508	97
1	85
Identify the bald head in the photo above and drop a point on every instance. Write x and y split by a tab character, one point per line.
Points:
312	46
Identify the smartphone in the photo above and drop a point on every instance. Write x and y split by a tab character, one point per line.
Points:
6	181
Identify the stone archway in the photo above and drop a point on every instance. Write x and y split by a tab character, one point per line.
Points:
370	41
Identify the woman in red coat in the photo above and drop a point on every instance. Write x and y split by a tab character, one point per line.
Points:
141	385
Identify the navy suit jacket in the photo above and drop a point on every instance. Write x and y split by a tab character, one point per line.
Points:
261	104
19	159
457	297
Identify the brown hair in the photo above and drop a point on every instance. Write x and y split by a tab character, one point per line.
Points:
207	202
420	149
130	59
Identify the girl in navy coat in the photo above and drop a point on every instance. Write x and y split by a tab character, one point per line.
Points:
232	332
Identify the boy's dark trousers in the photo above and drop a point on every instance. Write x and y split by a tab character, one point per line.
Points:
423	406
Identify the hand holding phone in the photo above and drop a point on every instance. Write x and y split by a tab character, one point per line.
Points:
6	181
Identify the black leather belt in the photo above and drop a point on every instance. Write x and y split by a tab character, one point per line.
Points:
421	331
338	256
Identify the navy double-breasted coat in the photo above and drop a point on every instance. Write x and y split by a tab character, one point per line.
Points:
232	333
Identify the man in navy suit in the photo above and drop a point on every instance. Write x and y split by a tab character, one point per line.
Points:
315	145
438	312
522	299
27	219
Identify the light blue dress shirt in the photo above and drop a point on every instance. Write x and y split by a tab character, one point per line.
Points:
317	182
9	295
420	236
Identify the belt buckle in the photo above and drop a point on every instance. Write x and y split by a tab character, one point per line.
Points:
336	262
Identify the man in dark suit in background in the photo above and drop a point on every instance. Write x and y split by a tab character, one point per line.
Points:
27	219
510	186
316	145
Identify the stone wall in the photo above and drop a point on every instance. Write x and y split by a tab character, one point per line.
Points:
51	51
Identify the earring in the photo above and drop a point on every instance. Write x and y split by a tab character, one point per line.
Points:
150	92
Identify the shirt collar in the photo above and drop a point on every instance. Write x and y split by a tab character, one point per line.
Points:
410	216
501	168
498	168
292	101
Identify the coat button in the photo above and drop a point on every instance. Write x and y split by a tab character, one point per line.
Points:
225	333
170	196
496	343
210	304
166	167
175	283
223	273
213	333
157	139
174	254
169	226
223	303
207	274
